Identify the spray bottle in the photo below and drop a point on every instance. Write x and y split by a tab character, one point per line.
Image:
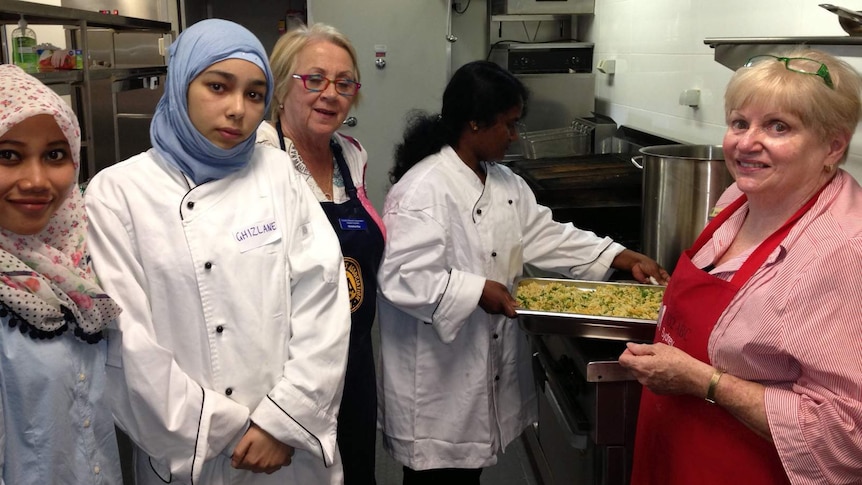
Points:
24	53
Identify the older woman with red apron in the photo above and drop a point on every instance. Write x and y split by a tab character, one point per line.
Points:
692	430
754	374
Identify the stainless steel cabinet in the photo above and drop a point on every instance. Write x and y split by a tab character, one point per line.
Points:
107	116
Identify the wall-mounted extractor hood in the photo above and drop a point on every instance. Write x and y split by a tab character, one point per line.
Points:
734	52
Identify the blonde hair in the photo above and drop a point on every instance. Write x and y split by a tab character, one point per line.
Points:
827	111
286	51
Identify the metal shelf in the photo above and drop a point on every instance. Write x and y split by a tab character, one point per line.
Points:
59	77
529	18
125	72
79	83
734	52
117	74
35	13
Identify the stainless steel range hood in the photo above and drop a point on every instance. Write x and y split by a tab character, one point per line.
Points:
734	52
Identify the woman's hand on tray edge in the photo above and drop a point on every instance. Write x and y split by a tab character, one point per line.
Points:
496	299
643	268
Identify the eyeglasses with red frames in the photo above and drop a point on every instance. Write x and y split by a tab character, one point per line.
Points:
317	83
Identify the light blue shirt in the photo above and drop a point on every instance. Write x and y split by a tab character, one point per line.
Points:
56	426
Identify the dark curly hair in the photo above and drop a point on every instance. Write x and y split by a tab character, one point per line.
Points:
478	91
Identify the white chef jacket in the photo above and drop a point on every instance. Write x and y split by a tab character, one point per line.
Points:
456	382
235	308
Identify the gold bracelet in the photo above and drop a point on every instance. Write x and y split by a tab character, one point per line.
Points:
713	383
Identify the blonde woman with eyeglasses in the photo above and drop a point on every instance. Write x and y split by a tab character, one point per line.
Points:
754	376
316	84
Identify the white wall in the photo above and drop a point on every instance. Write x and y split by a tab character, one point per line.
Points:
659	52
471	29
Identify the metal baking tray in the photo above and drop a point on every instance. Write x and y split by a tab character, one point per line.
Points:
579	325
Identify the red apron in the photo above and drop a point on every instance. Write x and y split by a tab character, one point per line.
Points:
684	440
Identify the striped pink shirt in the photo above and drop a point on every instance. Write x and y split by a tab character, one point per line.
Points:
796	327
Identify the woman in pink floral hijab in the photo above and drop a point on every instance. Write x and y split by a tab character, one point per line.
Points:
54	424
47	275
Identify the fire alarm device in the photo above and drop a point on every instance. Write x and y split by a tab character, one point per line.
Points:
380	56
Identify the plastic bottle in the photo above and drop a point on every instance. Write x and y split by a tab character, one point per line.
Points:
23	47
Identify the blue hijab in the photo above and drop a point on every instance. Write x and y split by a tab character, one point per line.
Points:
172	133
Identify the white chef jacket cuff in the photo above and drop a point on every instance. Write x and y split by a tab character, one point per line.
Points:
229	449
600	269
224	414
300	426
460	299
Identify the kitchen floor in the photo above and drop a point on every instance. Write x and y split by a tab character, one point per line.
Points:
513	467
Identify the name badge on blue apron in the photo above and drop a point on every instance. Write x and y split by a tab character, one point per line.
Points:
352	224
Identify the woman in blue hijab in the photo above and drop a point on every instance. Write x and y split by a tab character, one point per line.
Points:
174	135
229	360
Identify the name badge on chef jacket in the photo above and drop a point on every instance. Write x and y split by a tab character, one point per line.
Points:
255	235
352	224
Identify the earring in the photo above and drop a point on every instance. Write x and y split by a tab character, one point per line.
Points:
474	126
281	106
828	168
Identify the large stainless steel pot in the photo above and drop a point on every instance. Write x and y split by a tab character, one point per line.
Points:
681	184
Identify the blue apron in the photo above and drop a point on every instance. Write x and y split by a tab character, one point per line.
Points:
362	246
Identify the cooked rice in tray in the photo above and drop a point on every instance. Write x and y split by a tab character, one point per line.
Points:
607	300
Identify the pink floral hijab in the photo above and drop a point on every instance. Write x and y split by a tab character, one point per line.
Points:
46	283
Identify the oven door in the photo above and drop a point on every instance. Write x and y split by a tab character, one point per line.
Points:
560	441
585	431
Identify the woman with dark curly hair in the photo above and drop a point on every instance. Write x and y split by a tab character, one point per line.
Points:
456	378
